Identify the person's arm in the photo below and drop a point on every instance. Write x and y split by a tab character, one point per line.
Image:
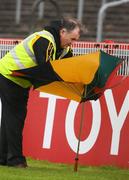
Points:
43	50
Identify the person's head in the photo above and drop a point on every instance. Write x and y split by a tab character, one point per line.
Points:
69	30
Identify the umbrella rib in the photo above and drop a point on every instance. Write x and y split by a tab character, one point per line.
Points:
70	86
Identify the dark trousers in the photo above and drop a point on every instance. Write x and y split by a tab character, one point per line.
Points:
14	108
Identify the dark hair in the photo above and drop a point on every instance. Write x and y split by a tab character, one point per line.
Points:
67	23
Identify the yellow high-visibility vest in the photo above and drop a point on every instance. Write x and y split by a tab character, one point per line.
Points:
22	57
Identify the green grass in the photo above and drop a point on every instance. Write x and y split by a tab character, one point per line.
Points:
42	170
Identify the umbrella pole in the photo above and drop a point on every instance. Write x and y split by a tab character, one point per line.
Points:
79	136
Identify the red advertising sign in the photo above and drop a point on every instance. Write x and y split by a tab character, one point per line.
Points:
52	128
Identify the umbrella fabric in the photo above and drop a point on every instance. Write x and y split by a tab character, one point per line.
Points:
106	71
68	77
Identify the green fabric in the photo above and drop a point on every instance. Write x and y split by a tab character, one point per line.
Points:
108	64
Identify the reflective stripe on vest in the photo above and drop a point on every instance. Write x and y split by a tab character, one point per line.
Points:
65	51
29	52
18	61
50	37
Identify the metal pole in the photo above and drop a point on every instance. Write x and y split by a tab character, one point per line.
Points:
35	4
32	20
18	11
103	2
41	10
80	10
101	14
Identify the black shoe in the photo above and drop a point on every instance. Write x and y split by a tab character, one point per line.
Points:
17	162
3	163
20	165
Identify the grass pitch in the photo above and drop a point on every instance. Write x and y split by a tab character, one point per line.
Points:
42	170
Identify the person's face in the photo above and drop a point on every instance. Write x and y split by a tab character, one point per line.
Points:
68	37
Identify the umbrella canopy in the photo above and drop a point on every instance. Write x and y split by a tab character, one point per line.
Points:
106	71
70	76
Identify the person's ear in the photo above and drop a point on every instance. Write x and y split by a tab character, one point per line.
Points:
63	31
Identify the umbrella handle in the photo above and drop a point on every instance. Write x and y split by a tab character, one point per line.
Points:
79	137
76	164
80	130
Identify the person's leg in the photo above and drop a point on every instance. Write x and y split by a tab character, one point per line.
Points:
14	104
3	138
3	141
